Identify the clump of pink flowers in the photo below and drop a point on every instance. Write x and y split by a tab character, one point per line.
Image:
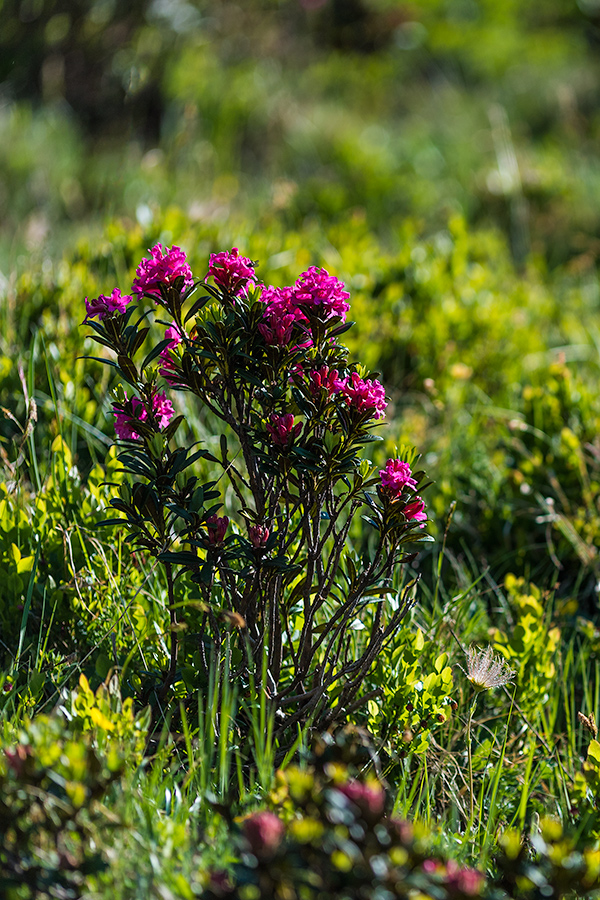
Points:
396	476
163	267
162	410
323	292
280	316
325	379
231	271
102	306
365	394
282	430
315	290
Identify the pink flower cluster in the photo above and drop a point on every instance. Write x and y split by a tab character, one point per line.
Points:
163	267
217	526
281	314
315	289
162	410
318	289
461	880
365	394
397	476
325	379
231	271
106	306
264	832
361	394
282	430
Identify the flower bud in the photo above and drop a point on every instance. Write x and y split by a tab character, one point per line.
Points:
217	526
258	535
263	831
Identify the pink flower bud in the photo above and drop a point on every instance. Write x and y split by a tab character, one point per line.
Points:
277	330
416	510
324	378
259	535
217	526
282	430
264	832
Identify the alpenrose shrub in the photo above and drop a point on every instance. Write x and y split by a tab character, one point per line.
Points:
330	834
268	362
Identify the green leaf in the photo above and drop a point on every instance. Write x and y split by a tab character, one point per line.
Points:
162	345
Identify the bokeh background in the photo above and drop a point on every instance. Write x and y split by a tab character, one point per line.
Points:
302	108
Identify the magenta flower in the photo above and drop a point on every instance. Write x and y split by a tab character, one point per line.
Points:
365	394
277	330
325	379
415	510
281	312
369	798
396	476
217	526
281	300
231	271
259	535
17	759
463	880
431	866
168	369
162	410
264	832
282	430
323	292
106	306
163	268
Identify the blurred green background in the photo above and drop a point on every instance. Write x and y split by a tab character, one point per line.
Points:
302	109
440	156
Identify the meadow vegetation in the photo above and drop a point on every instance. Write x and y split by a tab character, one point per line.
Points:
248	648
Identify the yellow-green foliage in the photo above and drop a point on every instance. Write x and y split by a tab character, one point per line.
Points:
554	861
112	719
530	645
50	781
416	686
49	549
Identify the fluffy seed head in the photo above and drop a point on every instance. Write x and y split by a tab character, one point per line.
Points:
485	670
